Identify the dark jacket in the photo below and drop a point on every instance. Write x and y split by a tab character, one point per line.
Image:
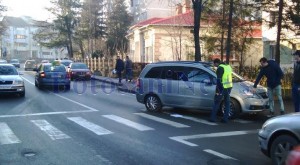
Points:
128	64
296	75
273	73
119	65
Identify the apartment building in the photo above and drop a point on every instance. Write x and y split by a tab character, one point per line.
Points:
17	41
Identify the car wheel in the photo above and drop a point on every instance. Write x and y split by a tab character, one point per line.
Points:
281	147
235	109
153	103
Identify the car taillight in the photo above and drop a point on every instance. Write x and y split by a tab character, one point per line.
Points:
42	75
138	83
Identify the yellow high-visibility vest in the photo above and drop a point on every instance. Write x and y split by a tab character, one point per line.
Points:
227	76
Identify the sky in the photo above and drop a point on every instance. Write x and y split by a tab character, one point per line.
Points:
33	8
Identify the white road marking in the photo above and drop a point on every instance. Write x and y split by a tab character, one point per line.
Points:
242	121
161	120
45	113
90	126
7	136
182	139
193	119
27	80
50	130
75	102
129	123
218	154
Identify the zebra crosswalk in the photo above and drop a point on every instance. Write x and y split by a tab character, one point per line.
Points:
7	135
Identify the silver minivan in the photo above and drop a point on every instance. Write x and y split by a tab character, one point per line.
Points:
190	84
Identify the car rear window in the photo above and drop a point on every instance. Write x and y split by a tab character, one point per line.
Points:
8	70
54	68
79	66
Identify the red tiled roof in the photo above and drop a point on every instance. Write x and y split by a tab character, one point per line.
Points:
185	19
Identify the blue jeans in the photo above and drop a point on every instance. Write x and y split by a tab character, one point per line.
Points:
217	102
275	91
296	96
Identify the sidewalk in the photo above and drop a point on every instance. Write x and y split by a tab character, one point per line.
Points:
129	87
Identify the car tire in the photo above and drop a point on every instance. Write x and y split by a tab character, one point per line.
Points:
280	148
153	103
235	109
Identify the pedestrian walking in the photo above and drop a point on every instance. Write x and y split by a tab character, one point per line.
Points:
272	71
223	89
128	69
296	81
119	68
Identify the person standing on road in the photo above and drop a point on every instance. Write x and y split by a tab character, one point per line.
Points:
128	69
274	74
119	68
223	89
296	81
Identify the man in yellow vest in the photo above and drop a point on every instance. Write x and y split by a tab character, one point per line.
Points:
223	89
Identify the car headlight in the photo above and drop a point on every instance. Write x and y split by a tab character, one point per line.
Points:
18	82
250	94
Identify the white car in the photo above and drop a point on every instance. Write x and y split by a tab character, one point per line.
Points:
10	81
279	135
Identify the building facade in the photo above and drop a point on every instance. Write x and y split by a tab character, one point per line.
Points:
142	10
290	40
17	41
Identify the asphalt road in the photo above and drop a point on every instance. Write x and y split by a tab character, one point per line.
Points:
97	124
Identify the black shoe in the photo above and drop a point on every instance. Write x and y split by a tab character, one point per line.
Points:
271	114
282	112
224	121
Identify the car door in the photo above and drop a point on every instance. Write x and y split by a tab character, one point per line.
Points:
170	84
200	88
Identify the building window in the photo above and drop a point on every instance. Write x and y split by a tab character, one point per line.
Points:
273	17
18	36
272	51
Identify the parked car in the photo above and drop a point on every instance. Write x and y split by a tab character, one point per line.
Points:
3	61
279	135
30	65
10	81
189	84
15	62
52	75
79	71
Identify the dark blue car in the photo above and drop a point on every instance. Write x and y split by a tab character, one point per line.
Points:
52	75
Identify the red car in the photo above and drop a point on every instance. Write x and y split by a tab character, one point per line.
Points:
79	71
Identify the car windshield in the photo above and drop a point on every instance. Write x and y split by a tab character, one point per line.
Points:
8	70
235	76
14	61
79	66
54	68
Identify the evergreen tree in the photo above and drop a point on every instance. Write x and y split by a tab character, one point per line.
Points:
64	23
118	23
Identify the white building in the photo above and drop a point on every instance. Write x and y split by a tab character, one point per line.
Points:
17	41
142	10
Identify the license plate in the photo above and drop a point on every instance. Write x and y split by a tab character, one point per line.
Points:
5	87
55	76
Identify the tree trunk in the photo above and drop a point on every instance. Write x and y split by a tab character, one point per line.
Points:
229	32
197	16
277	52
